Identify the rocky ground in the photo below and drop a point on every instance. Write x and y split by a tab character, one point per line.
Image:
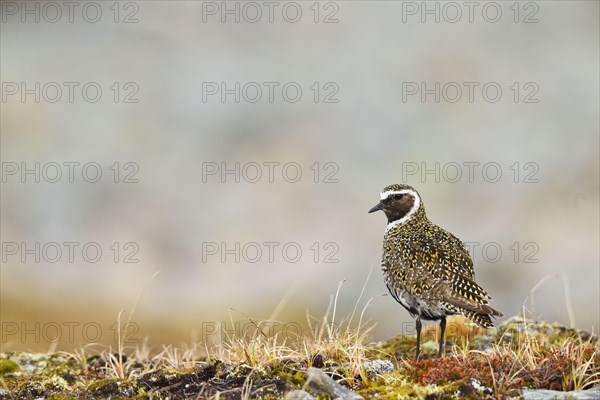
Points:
519	359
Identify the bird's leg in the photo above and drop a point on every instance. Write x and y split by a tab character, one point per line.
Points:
443	329
418	337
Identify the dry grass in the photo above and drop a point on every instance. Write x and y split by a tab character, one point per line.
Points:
527	359
340	340
526	354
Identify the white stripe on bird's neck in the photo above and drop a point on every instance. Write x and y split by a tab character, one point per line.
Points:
415	207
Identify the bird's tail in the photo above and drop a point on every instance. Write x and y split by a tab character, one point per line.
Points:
483	319
476	308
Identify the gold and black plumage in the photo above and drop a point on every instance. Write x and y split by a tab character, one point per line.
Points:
427	269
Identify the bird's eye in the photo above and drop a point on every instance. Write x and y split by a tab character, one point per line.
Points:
397	196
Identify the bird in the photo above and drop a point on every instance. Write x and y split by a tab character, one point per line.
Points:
426	268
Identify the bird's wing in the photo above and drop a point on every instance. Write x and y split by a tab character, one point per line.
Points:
441	255
466	264
446	271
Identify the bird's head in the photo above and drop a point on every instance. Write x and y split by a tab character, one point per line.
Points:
399	203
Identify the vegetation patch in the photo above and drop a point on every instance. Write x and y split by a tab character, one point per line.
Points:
330	358
479	364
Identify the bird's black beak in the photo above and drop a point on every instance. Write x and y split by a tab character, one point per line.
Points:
376	208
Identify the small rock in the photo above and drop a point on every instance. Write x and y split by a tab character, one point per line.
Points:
298	395
375	368
585	335
542	394
320	382
476	384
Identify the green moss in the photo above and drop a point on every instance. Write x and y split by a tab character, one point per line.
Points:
289	371
103	388
395	348
296	379
7	366
397	385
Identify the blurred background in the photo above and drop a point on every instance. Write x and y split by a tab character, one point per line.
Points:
255	197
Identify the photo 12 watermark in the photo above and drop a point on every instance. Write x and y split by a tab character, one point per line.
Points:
269	172
70	252
53	12
270	252
470	171
69	172
471	92
270	92
70	92
494	252
72	332
217	332
453	12
255	12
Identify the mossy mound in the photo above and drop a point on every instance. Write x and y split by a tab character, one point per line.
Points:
499	362
52	377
